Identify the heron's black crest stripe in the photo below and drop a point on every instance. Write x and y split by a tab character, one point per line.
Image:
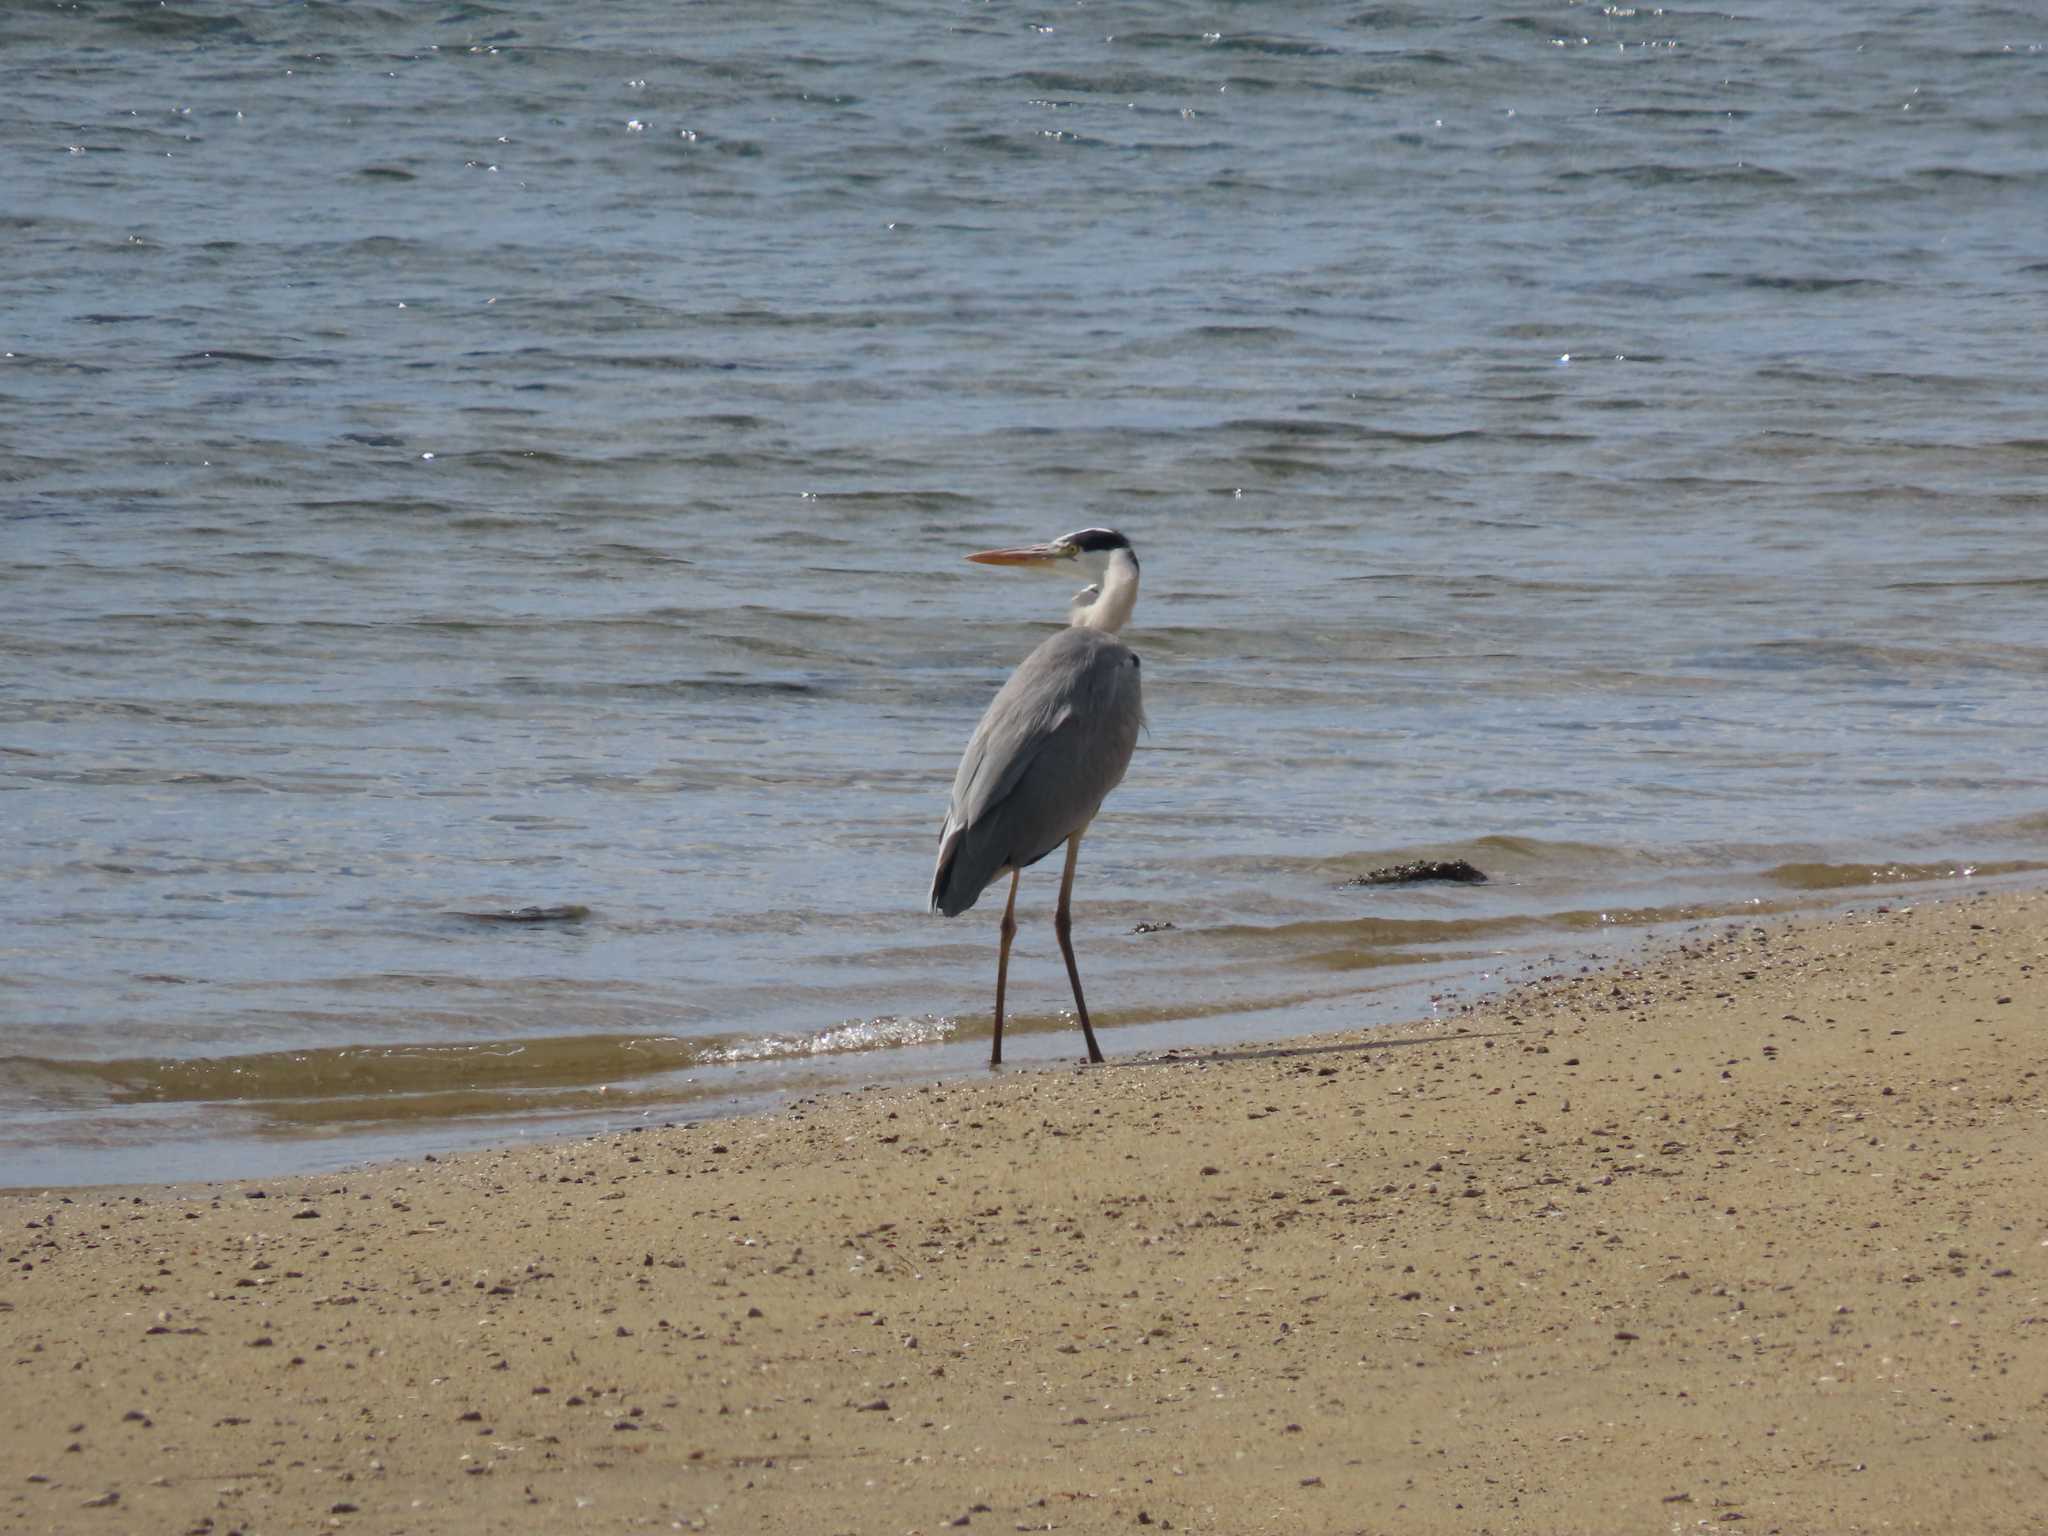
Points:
1091	541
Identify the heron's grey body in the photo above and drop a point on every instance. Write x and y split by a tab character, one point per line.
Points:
1055	741
1052	744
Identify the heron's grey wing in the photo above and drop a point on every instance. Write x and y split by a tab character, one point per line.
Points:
1035	702
1054	742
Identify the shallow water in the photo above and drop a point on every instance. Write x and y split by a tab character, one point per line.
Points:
521	457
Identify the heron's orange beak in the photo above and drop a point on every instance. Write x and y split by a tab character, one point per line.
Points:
1036	554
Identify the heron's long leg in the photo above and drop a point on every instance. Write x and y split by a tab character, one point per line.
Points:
1063	925
995	1050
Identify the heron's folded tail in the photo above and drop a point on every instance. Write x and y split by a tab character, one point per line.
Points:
955	886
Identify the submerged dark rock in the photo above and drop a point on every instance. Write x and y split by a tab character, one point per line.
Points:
1418	870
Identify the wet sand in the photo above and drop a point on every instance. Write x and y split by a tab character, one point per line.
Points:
1751	1236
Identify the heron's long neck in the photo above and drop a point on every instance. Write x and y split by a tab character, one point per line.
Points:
1112	607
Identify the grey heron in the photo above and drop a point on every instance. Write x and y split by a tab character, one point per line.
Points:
1054	742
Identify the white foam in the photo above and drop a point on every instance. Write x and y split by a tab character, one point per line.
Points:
855	1035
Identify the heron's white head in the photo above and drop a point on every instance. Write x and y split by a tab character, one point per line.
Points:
1101	556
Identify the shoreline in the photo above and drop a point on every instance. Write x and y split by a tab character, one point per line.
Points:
306	1111
1743	1234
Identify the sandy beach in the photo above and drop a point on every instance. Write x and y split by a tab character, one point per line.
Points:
1749	1236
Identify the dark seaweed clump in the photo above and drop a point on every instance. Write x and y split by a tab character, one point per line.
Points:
1418	870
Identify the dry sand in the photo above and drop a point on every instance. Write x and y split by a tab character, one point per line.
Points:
1748	1237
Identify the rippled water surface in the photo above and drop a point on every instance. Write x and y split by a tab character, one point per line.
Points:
498	457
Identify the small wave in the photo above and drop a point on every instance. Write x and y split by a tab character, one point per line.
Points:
163	22
357	19
1387	16
916	500
353	1071
1810	284
1964	173
1871	658
649	362
1800	876
1968	584
1678	112
474	11
638	554
1793	282
1360	432
677	687
214	356
732	421
1650	175
859	1035
1119	84
998	144
1241	334
380	247
1275	47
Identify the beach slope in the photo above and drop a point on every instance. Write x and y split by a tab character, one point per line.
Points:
1750	1236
